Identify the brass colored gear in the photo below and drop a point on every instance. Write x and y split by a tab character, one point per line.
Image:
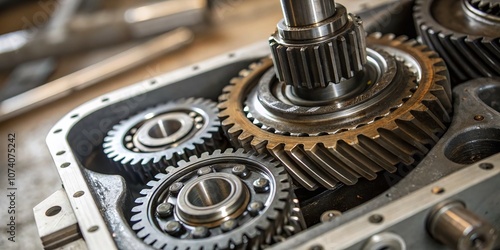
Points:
328	158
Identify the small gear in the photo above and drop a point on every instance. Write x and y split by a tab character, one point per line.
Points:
488	7
466	37
399	113
158	137
317	63
226	200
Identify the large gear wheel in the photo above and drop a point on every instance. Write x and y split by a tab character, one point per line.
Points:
227	200
146	143
466	37
397	116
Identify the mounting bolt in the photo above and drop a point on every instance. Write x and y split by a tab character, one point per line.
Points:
176	188
204	171
164	210
255	207
261	185
330	215
228	225
174	228
200	232
240	170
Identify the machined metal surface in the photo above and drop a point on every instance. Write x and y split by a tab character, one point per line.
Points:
317	44
216	209
466	36
406	217
452	224
56	222
146	143
375	135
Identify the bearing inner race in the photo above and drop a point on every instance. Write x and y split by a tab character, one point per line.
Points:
210	199
164	130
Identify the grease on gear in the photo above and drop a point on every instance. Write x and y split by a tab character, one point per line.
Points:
218	203
466	36
379	133
146	143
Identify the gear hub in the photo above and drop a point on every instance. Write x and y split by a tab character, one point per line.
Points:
245	198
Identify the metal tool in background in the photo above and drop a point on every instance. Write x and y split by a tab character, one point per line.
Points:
107	28
68	33
112	66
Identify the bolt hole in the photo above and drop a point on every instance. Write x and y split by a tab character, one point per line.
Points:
65	165
105	99
438	190
93	229
57	131
74	116
317	247
196	67
153	82
486	166
231	55
78	194
61	152
478	118
53	211
473	146
376	219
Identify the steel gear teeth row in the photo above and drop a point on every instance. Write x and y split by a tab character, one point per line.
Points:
489	7
326	159
226	200
146	143
319	64
467	37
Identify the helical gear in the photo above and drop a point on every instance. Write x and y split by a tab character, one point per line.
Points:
467	37
174	213
416	97
146	143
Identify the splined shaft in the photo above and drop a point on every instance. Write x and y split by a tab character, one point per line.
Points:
317	43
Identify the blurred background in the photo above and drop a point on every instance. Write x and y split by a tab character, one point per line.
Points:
226	26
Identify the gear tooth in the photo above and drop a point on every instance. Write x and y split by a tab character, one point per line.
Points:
304	162
136	218
159	245
142	233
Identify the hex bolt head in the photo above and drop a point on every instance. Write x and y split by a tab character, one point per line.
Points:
330	215
204	171
174	228
200	232
164	210
240	170
176	188
255	207
261	185
228	225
